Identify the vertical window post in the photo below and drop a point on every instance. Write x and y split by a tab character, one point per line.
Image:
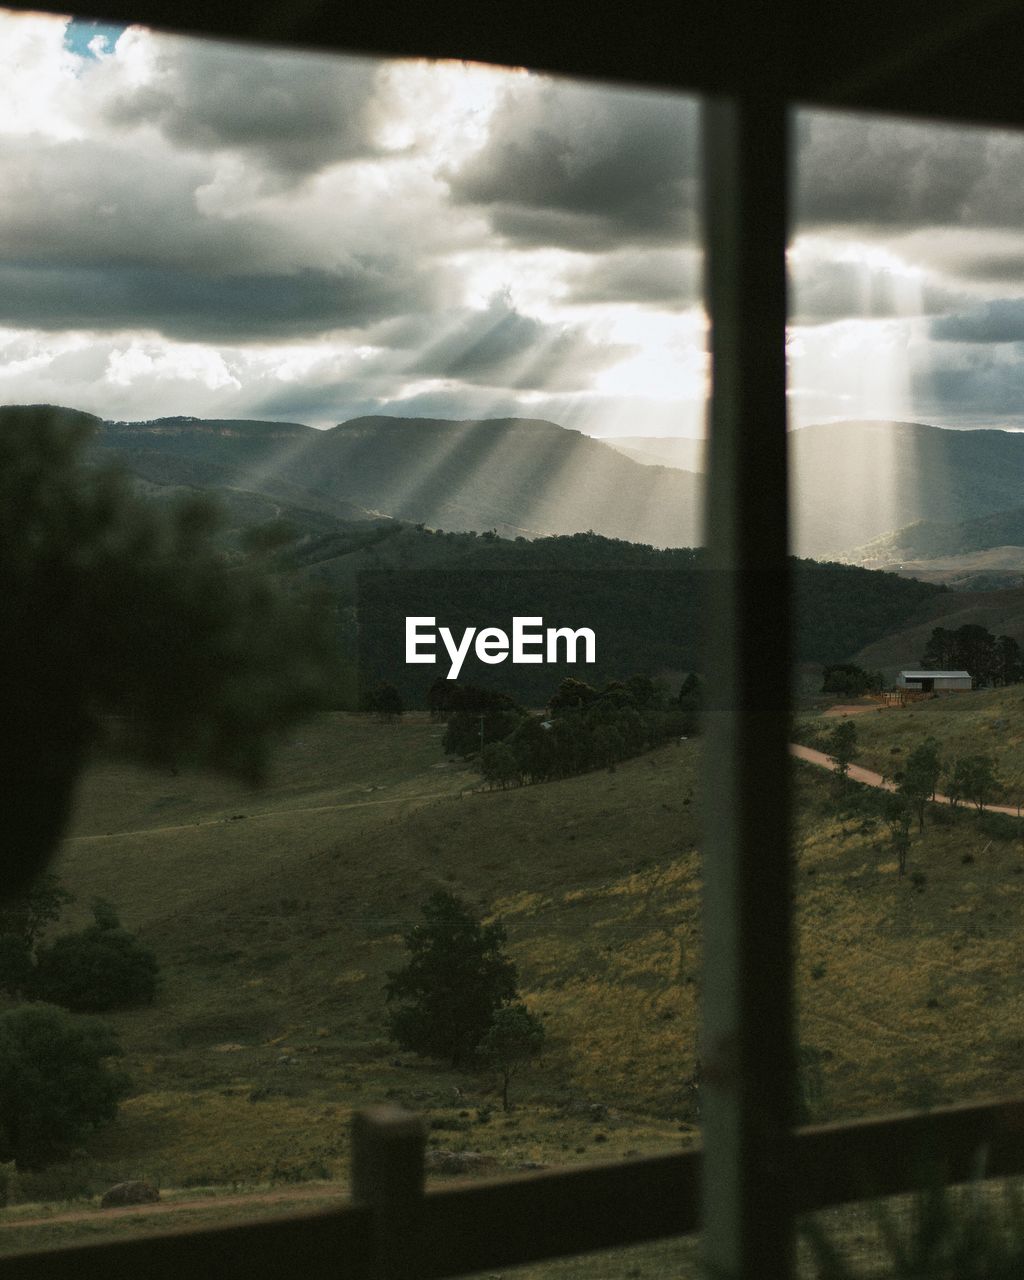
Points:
748	1073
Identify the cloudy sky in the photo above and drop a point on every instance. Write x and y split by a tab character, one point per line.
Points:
190	228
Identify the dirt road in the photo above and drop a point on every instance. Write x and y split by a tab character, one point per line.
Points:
321	1191
875	779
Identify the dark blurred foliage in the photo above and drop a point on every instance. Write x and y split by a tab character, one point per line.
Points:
121	622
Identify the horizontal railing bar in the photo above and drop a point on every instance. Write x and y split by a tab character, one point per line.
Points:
307	1245
558	1212
859	1160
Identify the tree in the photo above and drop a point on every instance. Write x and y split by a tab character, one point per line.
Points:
386	701
977	779
55	1084
896	811
455	981
841	745
921	777
956	782
499	766
122	618
101	968
29	912
22	920
851	681
514	1037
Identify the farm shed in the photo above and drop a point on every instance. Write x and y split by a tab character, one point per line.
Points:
934	681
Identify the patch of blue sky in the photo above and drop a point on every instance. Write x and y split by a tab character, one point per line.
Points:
89	39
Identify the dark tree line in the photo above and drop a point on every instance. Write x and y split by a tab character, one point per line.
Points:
583	728
849	680
991	660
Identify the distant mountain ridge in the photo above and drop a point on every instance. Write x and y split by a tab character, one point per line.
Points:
929	539
520	476
856	481
853	482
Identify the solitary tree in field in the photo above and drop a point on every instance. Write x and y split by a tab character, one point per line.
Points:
978	779
56	1083
921	777
103	967
455	980
841	745
513	1038
897	816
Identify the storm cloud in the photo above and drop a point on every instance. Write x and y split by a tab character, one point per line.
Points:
668	279
570	165
194	306
295	113
191	227
1001	320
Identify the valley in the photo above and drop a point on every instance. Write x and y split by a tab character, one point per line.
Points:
277	914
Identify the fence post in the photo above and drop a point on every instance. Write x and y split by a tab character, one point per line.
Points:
388	1147
748	1069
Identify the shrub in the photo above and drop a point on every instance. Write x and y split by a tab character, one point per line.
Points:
55	1085
101	968
514	1037
457	976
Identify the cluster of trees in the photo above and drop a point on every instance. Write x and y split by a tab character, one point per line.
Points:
56	1082
967	779
457	996
584	727
991	660
385	702
99	968
476	717
645	604
850	681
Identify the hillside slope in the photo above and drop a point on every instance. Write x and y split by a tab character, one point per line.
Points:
1002	612
855	481
276	931
519	476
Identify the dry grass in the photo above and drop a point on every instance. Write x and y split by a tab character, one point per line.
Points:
275	934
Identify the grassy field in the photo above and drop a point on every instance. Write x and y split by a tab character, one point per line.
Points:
988	721
276	916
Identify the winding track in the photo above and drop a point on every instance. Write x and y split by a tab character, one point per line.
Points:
870	779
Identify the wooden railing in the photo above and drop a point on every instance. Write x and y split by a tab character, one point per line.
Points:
393	1230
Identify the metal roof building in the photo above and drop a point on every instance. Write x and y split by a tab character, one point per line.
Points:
929	681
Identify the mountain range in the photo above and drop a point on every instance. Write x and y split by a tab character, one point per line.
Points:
520	477
853	482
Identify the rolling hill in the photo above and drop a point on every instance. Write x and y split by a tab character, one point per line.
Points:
522	477
276	916
661	451
1002	612
978	554
853	481
856	481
